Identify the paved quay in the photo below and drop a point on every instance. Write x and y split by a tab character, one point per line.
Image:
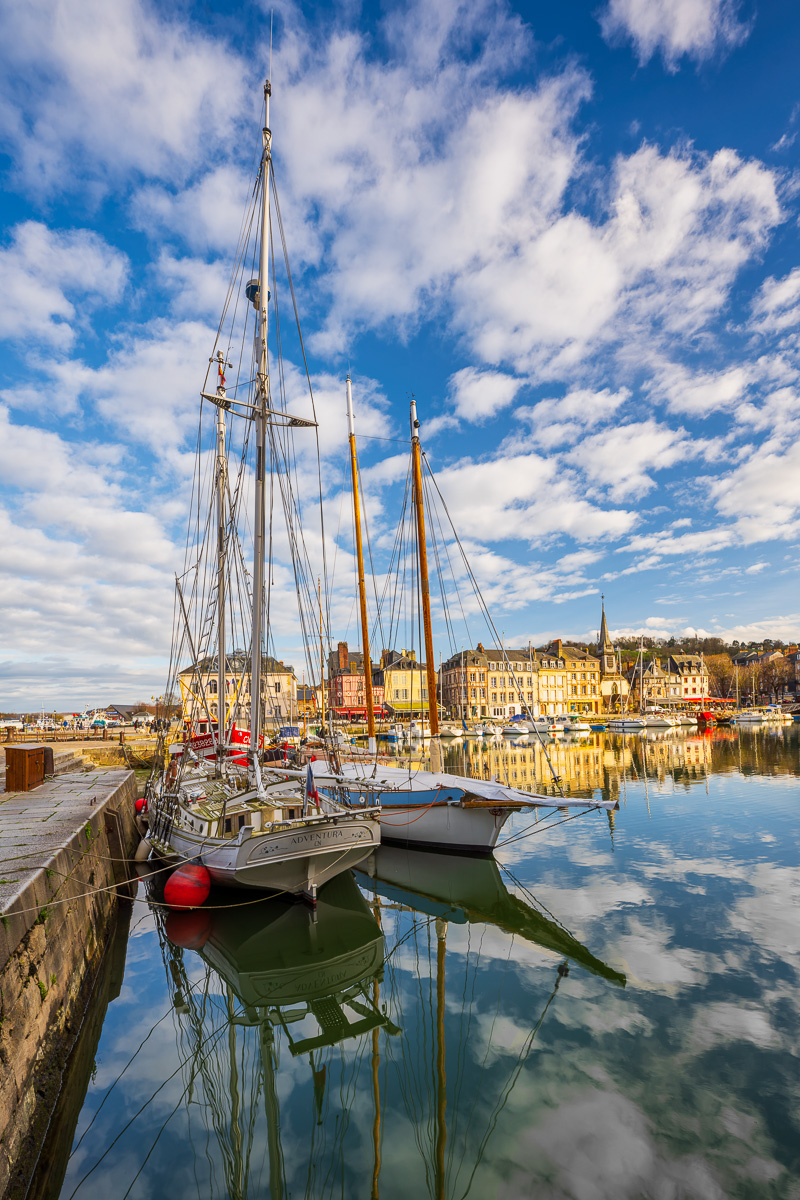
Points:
38	829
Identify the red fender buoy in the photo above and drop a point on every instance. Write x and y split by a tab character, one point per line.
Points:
189	930
140	806
188	887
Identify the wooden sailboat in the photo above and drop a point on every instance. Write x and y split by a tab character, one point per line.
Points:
423	809
223	809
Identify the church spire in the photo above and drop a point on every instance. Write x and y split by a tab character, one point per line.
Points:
605	640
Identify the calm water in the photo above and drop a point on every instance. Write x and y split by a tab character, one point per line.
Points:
610	1010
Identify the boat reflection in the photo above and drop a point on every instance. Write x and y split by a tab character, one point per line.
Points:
464	890
311	976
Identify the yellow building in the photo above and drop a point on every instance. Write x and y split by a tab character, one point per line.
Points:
512	682
581	678
404	682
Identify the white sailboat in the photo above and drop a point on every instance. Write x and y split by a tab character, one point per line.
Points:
225	810
426	809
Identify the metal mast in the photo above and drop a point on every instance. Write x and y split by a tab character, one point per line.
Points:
433	707
261	302
221	485
362	589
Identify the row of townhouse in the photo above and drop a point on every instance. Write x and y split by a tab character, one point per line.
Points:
676	679
502	683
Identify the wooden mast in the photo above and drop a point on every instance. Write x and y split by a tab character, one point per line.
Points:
362	587
416	462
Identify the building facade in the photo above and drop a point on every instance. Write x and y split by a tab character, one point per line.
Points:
614	686
198	684
512	678
346	688
402	683
462	684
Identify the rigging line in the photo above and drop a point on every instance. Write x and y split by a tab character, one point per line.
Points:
487	616
456	588
438	565
129	1063
532	900
371	437
500	1105
543	827
310	388
216	1034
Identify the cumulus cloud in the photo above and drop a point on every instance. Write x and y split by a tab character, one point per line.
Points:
117	87
477	395
698	29
44	271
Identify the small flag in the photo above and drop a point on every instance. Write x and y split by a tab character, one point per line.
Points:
311	788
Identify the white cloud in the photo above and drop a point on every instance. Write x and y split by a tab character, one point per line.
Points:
706	392
524	496
620	458
763	494
776	306
42	268
556	421
207	215
477	395
699	29
112	88
679	228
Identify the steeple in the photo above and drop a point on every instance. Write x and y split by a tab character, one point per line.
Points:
605	640
605	649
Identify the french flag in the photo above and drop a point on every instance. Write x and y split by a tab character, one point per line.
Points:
311	788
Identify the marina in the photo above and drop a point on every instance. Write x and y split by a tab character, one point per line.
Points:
443	1024
400	745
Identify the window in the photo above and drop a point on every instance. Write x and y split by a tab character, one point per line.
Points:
494	697
502	697
493	681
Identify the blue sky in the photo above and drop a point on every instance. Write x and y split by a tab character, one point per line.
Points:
571	230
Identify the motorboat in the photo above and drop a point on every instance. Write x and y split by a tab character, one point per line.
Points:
625	724
572	723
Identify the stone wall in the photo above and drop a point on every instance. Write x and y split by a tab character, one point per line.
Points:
54	931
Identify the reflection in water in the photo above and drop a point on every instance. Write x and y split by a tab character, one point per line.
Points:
580	1019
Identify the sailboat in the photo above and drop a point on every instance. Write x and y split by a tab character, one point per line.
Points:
223	808
431	809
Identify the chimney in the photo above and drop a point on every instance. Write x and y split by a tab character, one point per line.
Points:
343	656
559	647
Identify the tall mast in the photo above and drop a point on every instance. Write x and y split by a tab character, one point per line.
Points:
221	484
416	461
261	300
321	656
362	588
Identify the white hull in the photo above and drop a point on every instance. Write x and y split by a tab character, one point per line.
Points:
443	827
296	860
631	726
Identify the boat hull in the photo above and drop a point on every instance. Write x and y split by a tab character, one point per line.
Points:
441	826
296	861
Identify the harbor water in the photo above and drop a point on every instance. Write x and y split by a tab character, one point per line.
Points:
610	1008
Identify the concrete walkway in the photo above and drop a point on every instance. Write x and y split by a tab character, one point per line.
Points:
40	832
